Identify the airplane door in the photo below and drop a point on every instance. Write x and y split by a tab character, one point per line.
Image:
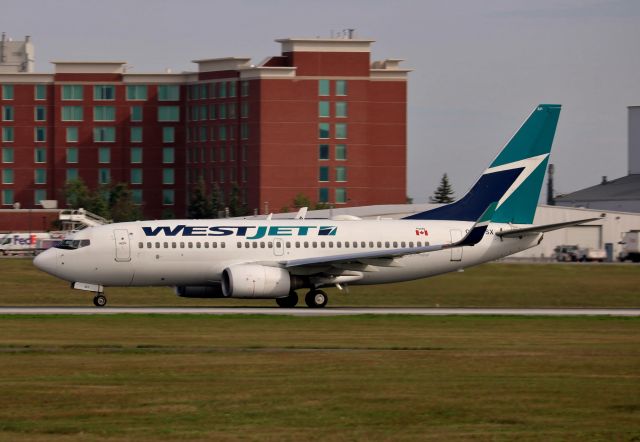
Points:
278	247
123	250
456	252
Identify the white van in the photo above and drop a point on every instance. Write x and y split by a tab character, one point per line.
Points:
21	242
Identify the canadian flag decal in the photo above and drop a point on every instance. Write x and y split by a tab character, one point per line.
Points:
421	231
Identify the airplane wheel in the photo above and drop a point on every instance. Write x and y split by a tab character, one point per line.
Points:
316	299
288	301
99	301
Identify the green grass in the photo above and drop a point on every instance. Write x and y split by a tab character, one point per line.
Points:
489	285
147	378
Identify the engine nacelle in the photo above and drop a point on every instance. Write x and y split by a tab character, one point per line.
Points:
199	291
256	281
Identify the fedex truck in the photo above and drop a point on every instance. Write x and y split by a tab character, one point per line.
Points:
21	242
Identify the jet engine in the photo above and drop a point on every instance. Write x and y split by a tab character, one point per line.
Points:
199	291
256	281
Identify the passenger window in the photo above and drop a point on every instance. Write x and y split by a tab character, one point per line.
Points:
419	243
339	244
322	244
206	245
386	244
173	245
262	244
306	244
247	245
403	244
395	244
270	244
166	245
239	245
190	244
288	245
223	245
379	244
198	245
181	245
255	245
297	244
140	245
214	245
157	245
410	243
314	244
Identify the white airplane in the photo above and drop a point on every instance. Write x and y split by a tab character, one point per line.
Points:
262	259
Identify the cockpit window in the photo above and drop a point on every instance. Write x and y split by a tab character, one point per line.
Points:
72	244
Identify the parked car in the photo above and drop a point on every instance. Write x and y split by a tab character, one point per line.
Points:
630	247
592	254
566	253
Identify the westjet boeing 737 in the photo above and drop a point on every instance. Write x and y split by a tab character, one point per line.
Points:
273	258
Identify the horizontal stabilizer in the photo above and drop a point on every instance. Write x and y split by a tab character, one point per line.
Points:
543	228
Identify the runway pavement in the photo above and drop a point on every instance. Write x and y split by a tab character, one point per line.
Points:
332	311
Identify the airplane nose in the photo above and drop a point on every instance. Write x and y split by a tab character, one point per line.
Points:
46	261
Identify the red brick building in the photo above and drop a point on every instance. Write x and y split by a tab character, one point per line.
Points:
320	119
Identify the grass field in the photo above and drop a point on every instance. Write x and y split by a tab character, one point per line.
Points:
146	378
489	285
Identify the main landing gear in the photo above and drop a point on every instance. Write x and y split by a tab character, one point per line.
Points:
315	298
99	300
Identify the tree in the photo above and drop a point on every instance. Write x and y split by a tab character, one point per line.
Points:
78	195
121	204
199	203
301	200
215	199
444	192
236	208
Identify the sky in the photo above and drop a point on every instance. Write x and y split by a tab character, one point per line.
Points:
479	67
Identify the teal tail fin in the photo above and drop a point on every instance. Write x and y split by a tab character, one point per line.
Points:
514	179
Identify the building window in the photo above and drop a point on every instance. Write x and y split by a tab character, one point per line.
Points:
40	113
136	176
341	130
7	134
323	130
72	113
222	133
168	134
341	195
168	176
232	89
136	196
168	155
204	91
244	109
222	89
7	113
136	92
203	112
72	92
39	195
202	133
7	176
104	92
40	134
72	174
135	134
323	174
136	113
136	155
168	113
104	176
168	92
40	176
244	131
104	113
7	92
341	87
341	174
72	155
323	88
40	91
71	134
323	152
40	155
104	155
323	109
244	88
341	152
7	197
341	109
222	111
323	195
221	175
7	154
104	134
168	197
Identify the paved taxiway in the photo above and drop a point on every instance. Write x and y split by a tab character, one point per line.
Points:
302	311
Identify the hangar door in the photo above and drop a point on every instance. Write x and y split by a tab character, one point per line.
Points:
584	236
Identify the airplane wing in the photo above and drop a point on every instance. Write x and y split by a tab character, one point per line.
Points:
542	228
474	236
